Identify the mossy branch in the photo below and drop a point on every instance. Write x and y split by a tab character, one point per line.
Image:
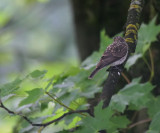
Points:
131	37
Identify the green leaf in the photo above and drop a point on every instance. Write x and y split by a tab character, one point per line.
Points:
74	122
91	61
57	114
151	131
38	73
153	106
90	91
146	35
100	121
146	47
79	85
77	103
120	121
119	102
134	93
44	105
132	60
9	88
50	82
103	119
155	123
33	96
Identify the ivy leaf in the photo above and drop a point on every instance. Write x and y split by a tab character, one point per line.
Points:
37	73
146	35
9	88
33	96
154	126
134	93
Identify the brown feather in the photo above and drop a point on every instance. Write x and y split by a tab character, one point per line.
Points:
93	73
114	52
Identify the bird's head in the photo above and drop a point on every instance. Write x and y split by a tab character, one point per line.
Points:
119	39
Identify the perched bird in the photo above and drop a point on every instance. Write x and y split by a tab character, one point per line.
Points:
115	54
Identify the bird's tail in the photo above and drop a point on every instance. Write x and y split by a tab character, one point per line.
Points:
93	73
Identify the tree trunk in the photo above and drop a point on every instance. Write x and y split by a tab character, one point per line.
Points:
91	16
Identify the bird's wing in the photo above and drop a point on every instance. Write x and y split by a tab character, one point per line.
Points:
113	53
119	49
106	59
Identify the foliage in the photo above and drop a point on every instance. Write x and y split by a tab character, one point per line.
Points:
71	89
147	34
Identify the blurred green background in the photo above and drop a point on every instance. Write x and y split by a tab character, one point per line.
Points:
35	34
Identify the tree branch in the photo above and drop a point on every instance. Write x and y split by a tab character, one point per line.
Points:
42	124
131	35
125	77
139	122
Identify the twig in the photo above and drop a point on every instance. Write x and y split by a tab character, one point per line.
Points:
62	103
152	65
43	125
2	106
59	102
14	113
126	78
134	116
147	64
139	122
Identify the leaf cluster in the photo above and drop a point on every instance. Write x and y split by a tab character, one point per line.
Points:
71	90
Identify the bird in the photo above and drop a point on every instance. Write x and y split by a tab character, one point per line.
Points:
114	55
